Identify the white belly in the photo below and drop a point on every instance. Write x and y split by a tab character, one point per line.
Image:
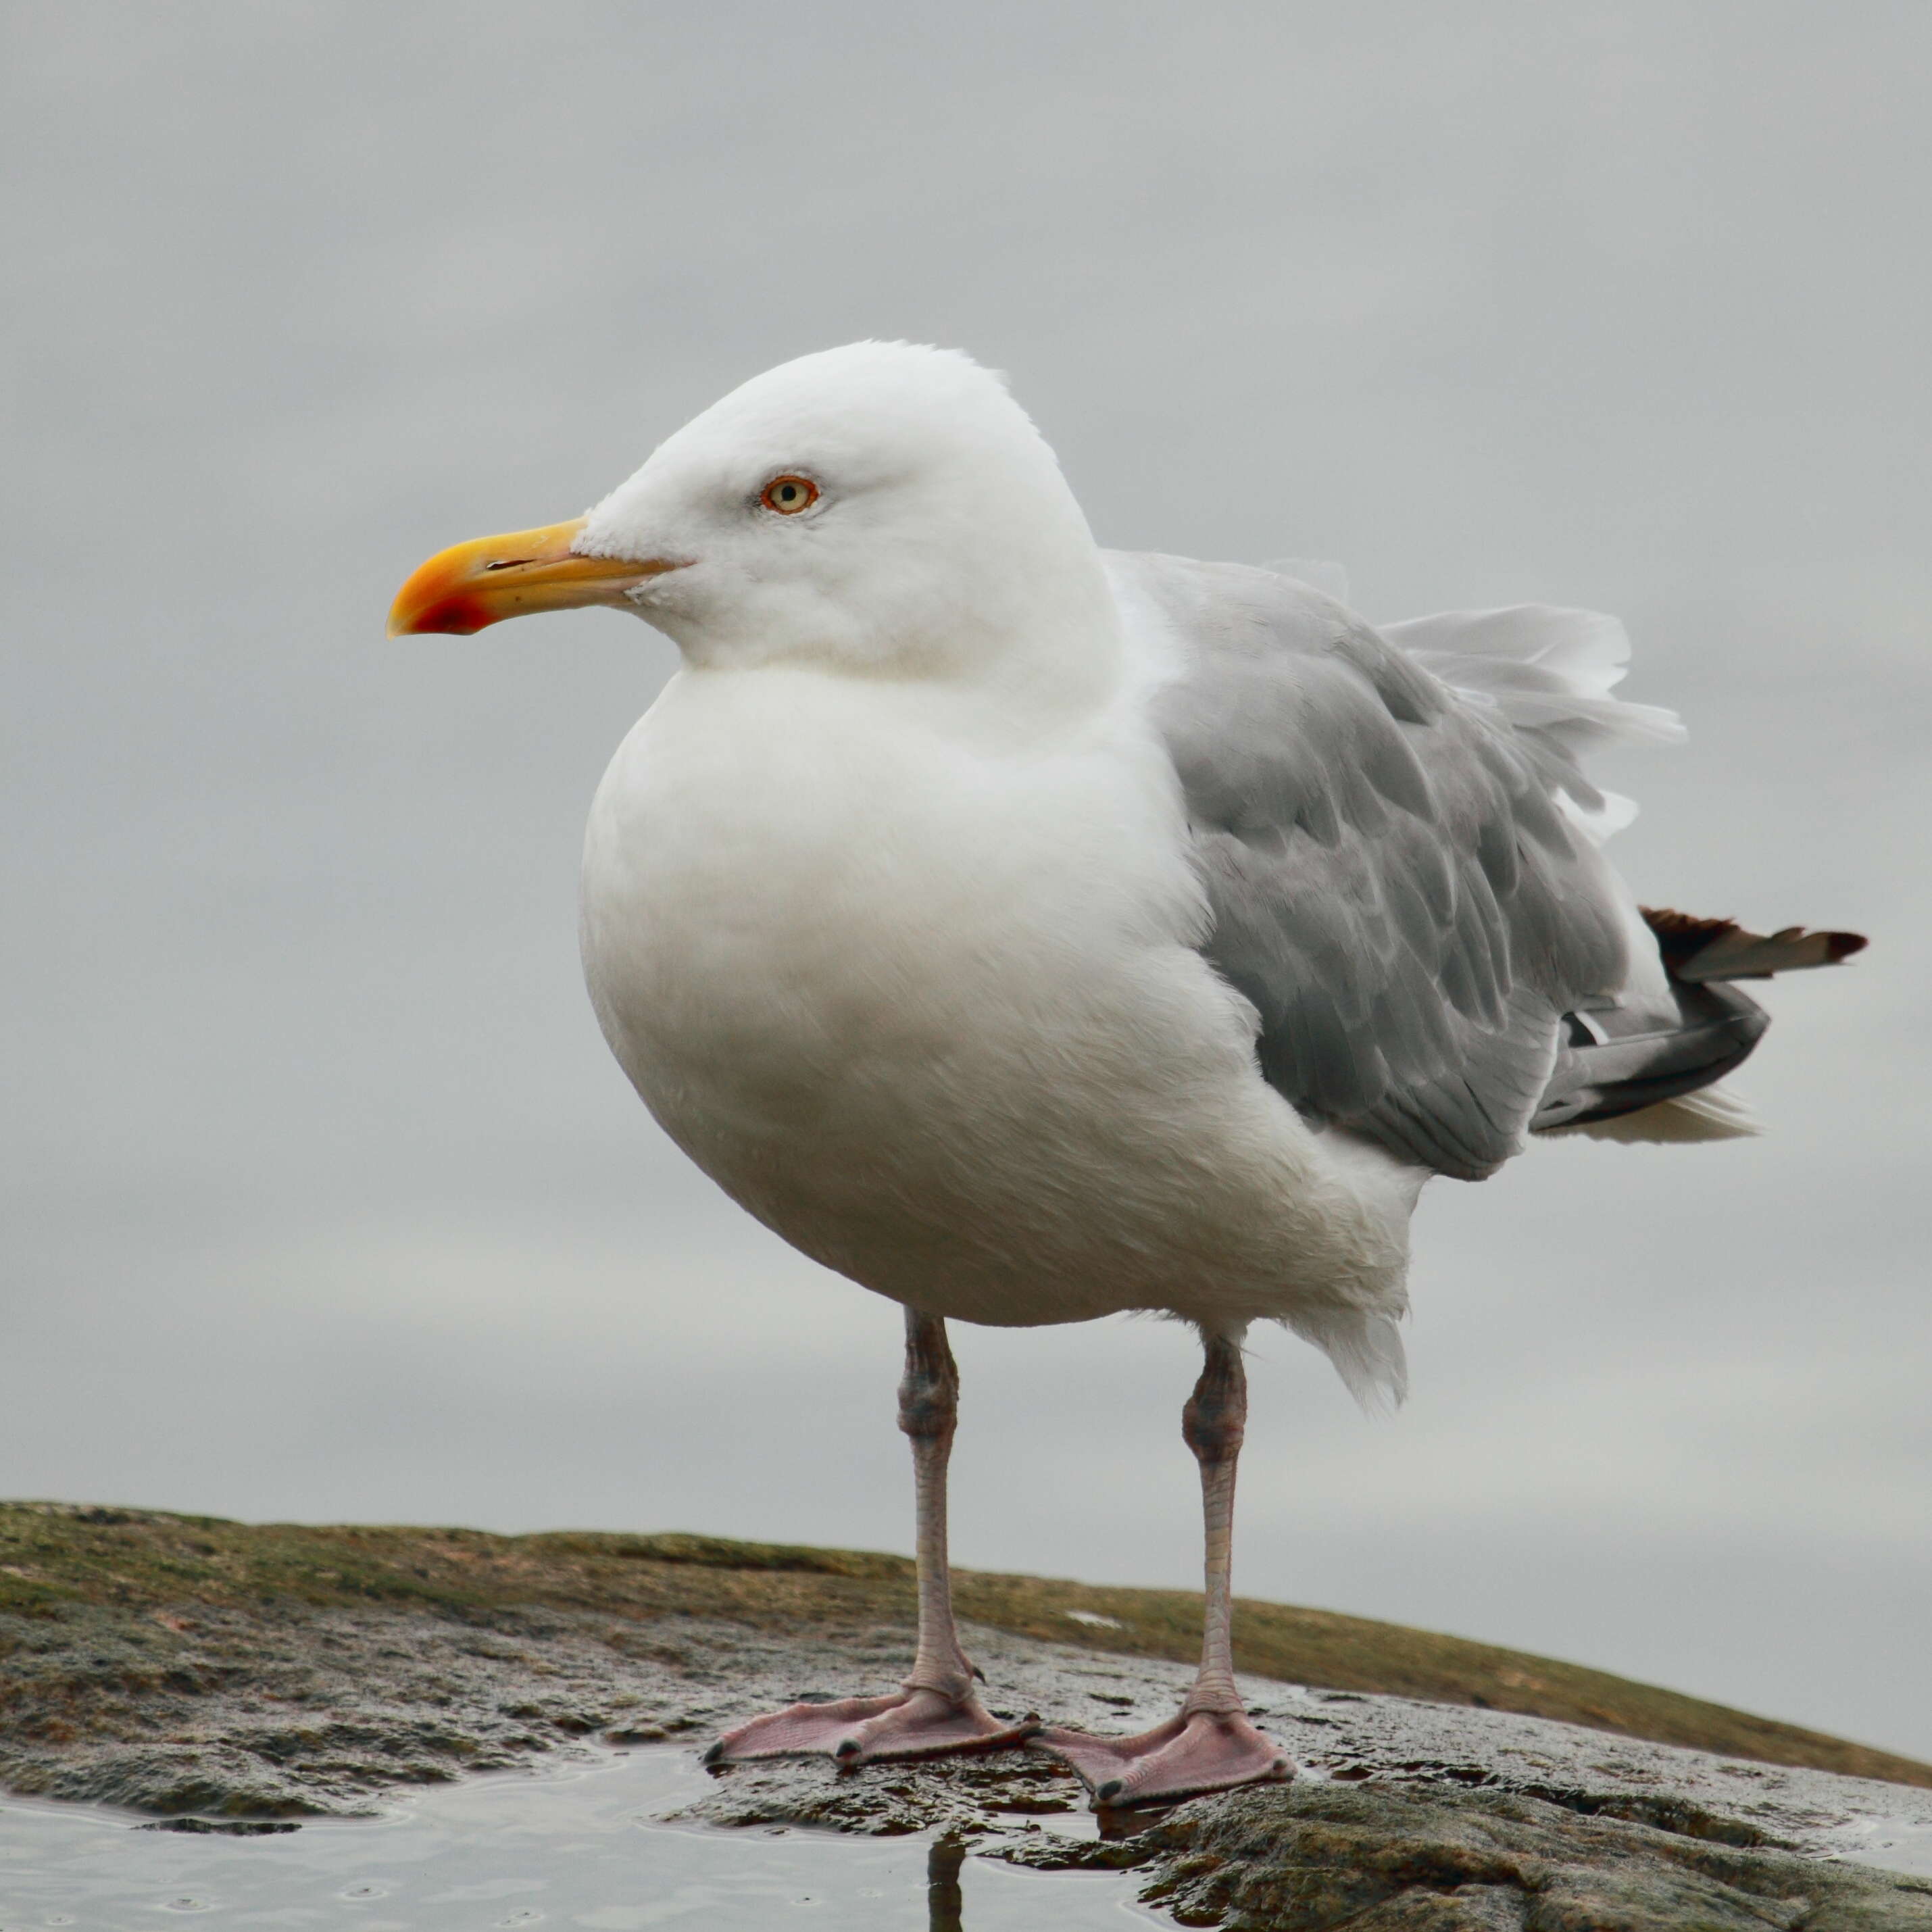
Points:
929	1009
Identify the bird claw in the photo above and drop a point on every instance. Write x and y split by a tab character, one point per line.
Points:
915	1723
1194	1752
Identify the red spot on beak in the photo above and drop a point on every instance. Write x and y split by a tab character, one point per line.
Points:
459	616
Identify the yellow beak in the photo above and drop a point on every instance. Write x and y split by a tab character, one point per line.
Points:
472	585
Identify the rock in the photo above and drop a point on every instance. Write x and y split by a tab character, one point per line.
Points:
154	1576
234	1827
248	1714
1313	1856
967	1798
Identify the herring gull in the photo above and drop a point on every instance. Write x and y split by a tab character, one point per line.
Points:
1031	932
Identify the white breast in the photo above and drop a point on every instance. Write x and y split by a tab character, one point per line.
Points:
923	998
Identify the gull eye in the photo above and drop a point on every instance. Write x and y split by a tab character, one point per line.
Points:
788	495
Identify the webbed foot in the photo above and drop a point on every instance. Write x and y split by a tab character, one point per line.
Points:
912	1723
1195	1752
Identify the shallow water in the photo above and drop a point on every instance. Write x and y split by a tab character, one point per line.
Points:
577	1848
1899	1848
580	1846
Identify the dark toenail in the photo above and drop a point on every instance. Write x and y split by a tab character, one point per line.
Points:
847	1748
715	1755
1110	1790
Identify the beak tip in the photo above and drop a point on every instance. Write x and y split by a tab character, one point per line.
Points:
451	616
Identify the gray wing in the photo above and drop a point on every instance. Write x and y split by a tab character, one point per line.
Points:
1393	884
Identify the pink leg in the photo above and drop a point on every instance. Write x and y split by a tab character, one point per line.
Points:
936	1710
1210	1745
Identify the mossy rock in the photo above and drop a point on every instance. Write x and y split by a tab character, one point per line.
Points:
140	1564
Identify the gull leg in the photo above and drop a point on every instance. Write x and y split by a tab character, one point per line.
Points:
1209	1745
936	1711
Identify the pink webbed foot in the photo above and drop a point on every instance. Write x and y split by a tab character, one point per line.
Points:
914	1722
1194	1752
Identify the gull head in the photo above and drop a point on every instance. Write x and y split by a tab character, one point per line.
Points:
883	509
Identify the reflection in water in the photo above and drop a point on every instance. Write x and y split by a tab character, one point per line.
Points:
579	1849
945	1900
1113	1822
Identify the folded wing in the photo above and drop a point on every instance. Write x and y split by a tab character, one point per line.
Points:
1399	875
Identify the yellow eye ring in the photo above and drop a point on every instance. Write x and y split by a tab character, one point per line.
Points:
787	495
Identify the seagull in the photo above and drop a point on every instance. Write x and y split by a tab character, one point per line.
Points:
1032	933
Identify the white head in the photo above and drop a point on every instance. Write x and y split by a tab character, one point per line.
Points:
881	510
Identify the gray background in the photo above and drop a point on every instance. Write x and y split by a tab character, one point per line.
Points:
324	1200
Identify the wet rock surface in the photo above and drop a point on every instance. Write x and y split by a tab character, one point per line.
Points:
1318	1856
223	1712
1408	1814
157	1573
249	1715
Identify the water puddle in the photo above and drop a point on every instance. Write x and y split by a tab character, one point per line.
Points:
580	1848
1893	1847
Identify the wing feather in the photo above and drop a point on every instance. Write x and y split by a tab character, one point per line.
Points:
1394	883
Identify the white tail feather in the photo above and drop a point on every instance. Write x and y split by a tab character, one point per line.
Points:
1710	1114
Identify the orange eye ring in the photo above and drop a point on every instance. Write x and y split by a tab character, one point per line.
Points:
786	496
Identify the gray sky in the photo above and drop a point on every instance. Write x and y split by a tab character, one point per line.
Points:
323	1199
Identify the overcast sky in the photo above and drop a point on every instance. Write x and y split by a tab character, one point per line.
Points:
324	1199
